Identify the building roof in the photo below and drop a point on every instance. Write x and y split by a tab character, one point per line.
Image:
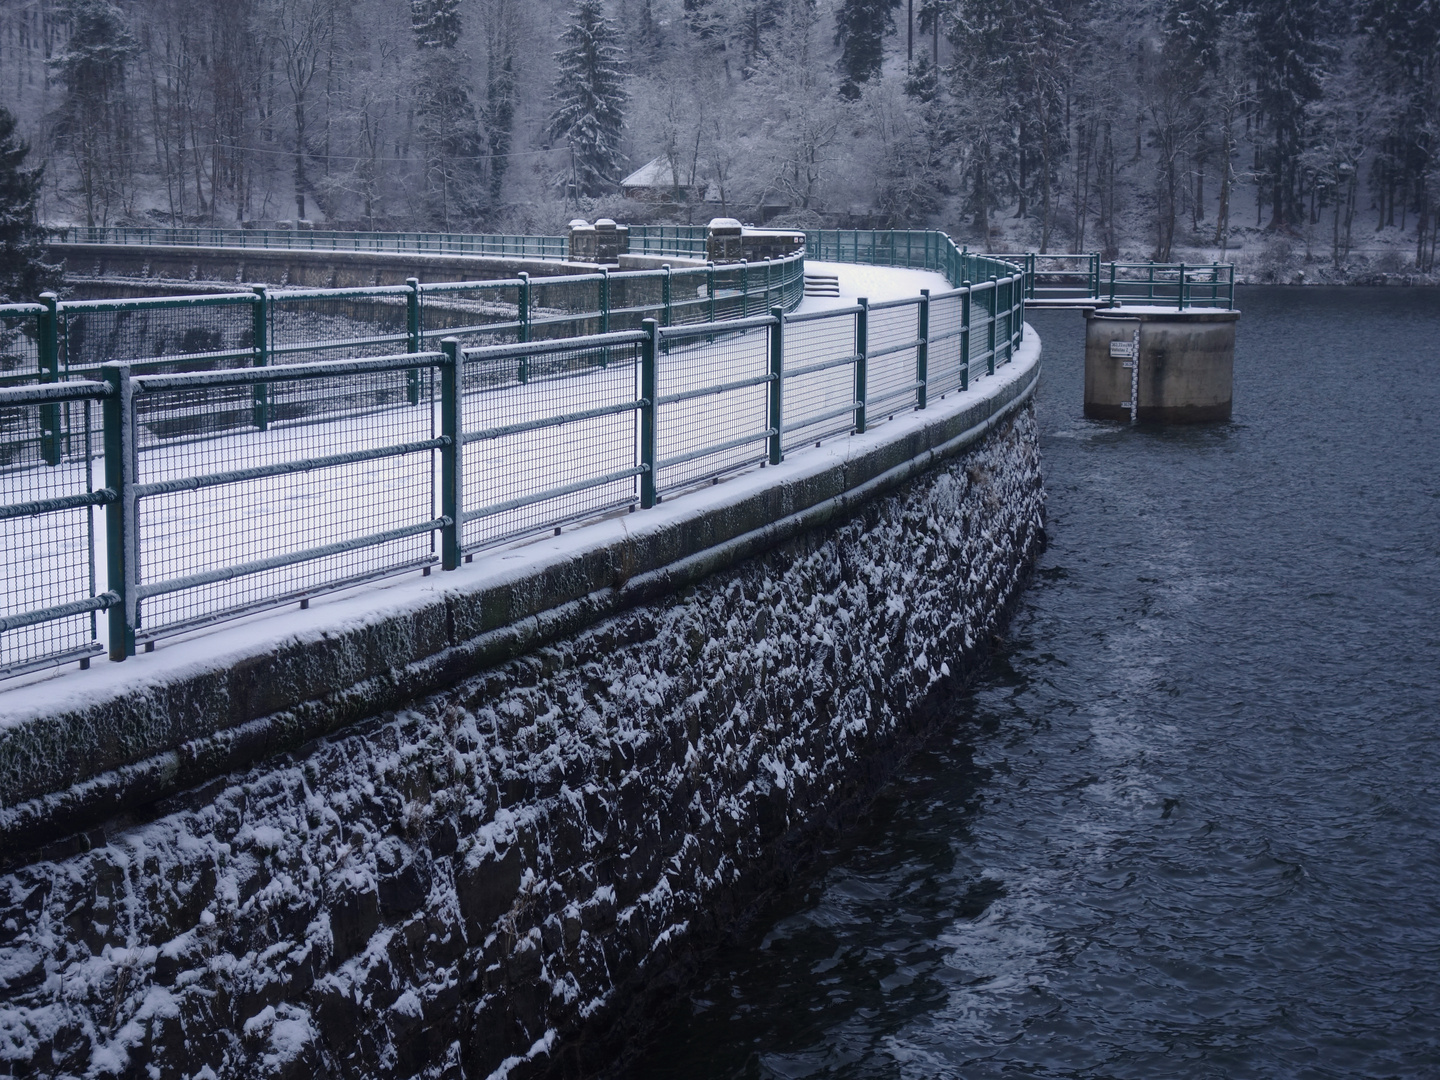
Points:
658	176
652	174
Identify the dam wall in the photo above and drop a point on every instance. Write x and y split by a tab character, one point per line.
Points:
475	828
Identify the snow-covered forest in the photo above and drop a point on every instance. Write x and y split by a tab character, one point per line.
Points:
1288	130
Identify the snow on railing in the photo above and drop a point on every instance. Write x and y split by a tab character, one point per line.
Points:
233	490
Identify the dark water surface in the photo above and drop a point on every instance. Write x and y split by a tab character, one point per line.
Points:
1189	825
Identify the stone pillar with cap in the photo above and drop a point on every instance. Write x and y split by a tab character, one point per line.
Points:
725	240
582	241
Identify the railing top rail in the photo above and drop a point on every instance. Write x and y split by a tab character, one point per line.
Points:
825	313
146	303
339	294
1172	265
903	301
20	311
46	393
498	283
319	369
569	344
753	322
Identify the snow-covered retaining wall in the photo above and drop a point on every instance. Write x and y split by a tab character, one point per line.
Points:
627	737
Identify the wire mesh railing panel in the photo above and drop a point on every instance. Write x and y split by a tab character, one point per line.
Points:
688	240
980	323
193	334
47	526
689	297
891	366
734	292
333	325
321	498
819	393
476	312
551	437
635	298
567	307
945	360
19	343
1003	317
712	405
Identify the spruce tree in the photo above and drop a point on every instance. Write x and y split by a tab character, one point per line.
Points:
590	100
94	121
24	274
860	29
449	124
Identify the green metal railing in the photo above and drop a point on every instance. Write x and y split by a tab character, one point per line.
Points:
66	339
915	249
1183	285
531	247
49	595
1057	276
1047	277
234	489
688	240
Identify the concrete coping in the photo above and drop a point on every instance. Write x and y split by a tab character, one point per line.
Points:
77	749
1157	313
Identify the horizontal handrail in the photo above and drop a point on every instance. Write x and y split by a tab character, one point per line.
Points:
284	490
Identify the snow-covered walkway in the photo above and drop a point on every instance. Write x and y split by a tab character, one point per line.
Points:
875	283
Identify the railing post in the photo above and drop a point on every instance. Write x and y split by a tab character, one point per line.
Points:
1020	314
452	428
647	414
412	338
1112	283
47	342
744	288
993	307
121	547
604	300
260	356
523	332
862	347
777	383
710	287
1182	286
922	351
965	337
666	294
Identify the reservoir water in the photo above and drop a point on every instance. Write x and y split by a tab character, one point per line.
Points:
1188	824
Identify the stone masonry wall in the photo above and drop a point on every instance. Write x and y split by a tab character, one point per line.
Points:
491	882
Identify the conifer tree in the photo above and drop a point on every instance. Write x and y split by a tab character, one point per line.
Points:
24	274
590	98
436	23
860	29
448	120
1289	48
95	122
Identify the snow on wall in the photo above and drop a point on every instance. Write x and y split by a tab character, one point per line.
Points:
482	885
